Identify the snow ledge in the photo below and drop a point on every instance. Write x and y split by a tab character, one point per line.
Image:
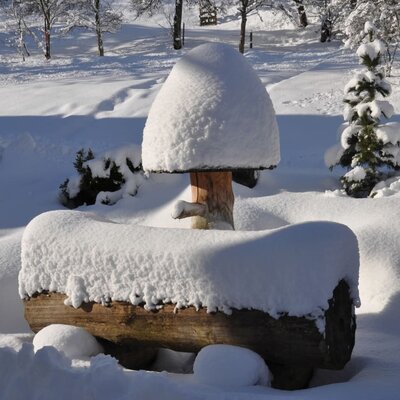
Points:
291	270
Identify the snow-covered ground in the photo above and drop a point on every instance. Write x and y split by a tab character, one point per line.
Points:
49	110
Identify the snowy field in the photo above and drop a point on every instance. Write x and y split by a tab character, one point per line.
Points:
50	110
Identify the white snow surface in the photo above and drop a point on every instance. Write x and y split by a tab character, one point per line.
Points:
212	112
51	109
230	367
292	269
390	187
72	341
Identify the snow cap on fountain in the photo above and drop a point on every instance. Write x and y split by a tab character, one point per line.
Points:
212	113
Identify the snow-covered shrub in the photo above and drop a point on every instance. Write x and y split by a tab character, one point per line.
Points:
105	179
367	148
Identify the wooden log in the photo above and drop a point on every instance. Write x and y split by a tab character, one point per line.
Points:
291	345
214	190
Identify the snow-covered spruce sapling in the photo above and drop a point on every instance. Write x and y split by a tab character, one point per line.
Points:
368	149
111	176
385	14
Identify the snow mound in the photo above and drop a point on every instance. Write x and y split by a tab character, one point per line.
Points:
212	112
292	269
230	367
390	187
48	375
72	341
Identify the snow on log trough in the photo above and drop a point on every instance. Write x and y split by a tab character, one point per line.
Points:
288	294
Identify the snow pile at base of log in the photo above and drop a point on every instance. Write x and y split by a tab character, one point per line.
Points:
293	269
212	112
49	374
72	341
230	367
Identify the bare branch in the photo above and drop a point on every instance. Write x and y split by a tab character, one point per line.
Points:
184	209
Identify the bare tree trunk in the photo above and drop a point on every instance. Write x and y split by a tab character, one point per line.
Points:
47	52
243	14
177	34
98	28
21	43
303	22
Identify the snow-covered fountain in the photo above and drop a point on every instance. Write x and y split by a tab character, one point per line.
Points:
288	294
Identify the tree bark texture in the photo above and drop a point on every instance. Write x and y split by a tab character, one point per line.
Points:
293	346
243	15
99	35
214	190
177	28
47	38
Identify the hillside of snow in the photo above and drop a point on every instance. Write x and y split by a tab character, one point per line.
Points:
51	109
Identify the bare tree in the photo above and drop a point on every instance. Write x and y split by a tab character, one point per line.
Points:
142	7
149	6
94	15
177	27
246	7
303	22
51	11
15	12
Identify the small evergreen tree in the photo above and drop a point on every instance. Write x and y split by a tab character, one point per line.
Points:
107	175
368	149
385	14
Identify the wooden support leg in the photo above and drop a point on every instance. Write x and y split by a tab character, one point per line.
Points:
130	356
290	377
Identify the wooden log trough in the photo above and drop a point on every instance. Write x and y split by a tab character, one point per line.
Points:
215	270
291	346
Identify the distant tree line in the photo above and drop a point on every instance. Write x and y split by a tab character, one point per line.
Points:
22	17
338	17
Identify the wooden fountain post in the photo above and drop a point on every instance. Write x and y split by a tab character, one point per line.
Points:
214	191
212	201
